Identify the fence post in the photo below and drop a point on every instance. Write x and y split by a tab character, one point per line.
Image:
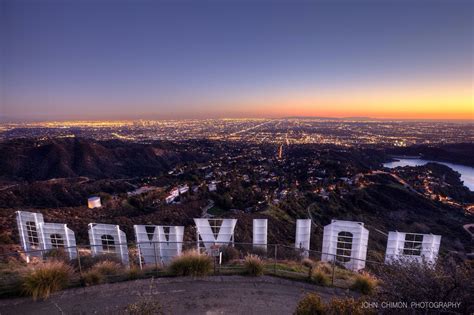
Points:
139	257
275	260
79	261
333	269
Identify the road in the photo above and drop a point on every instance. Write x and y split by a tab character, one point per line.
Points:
211	295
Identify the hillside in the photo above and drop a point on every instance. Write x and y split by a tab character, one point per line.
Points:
29	159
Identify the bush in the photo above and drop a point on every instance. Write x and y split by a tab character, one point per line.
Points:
324	267
88	261
46	278
347	306
229	253
311	304
288	253
259	251
191	263
253	265
57	254
364	283
144	307
92	277
320	278
134	273
108	268
446	281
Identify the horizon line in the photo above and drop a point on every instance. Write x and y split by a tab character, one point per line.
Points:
4	120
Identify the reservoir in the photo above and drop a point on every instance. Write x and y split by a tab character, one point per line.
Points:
467	172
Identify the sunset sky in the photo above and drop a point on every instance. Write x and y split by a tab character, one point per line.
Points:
176	59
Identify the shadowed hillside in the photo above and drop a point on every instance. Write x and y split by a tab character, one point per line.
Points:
72	157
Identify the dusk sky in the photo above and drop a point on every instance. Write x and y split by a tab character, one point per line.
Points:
176	59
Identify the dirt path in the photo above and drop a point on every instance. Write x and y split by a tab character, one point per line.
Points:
211	295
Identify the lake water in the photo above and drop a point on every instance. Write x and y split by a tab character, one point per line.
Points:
467	172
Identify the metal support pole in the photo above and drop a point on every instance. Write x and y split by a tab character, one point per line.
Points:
275	260
79	261
140	257
333	269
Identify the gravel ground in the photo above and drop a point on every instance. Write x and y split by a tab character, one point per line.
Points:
210	295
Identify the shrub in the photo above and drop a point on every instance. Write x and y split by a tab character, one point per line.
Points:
310	304
46	278
92	277
320	278
11	277
144	307
108	268
324	267
57	254
288	253
253	265
191	263
259	251
308	263
364	283
134	273
446	280
229	253
347	306
88	261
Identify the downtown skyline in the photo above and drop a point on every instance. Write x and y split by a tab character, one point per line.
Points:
169	60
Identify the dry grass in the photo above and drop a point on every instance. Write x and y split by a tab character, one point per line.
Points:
191	263
45	278
108	268
146	306
310	304
320	278
364	283
347	306
253	265
92	277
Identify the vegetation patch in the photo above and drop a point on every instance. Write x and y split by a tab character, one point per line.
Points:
253	265
364	283
310	304
191	263
45	278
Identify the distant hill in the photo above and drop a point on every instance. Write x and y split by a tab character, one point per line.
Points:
29	159
460	153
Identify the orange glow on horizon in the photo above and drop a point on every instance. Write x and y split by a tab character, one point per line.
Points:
434	101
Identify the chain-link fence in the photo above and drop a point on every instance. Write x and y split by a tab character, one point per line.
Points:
146	259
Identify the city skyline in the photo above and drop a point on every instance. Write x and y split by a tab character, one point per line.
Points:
164	60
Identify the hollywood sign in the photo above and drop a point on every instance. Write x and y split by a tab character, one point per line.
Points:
343	241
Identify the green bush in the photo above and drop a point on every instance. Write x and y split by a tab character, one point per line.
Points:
46	278
364	283
191	263
253	265
320	278
310	304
